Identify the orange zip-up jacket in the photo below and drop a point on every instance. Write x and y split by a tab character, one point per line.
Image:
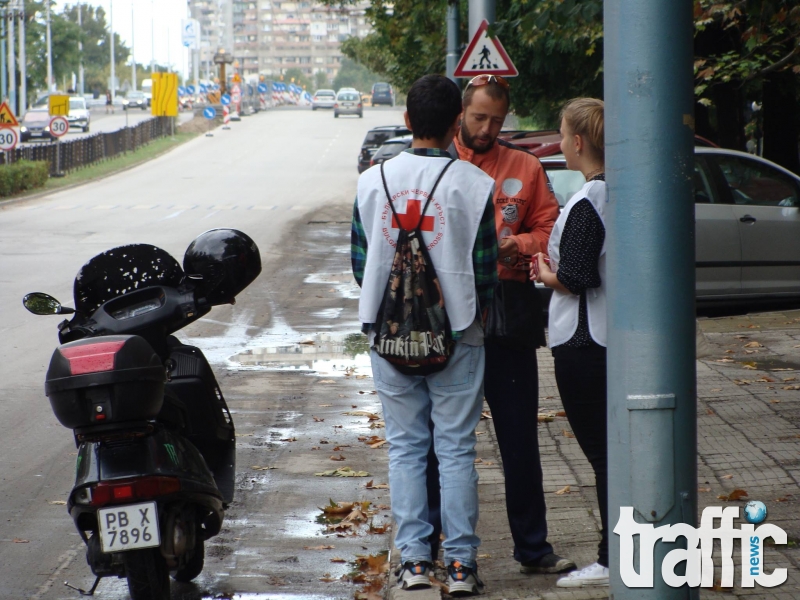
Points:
524	204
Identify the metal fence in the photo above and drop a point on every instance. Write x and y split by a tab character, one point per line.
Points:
85	151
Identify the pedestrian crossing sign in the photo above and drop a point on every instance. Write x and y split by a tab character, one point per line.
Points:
7	118
485	55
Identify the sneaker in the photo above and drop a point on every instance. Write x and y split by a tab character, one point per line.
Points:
595	575
549	563
463	581
414	575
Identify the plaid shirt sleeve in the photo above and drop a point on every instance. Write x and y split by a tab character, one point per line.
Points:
358	246
484	257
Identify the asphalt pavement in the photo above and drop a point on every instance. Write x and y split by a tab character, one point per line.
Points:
294	371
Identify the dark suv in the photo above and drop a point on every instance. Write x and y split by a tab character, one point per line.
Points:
375	138
382	93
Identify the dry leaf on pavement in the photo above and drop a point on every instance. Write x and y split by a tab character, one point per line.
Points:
567	434
342	472
257	468
337	508
704	489
733	496
753	345
291	439
57	502
376	486
562	491
338	560
338	458
318	547
317	419
20	541
546	418
363	413
791	387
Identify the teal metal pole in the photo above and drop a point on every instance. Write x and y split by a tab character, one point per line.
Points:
3	81
652	429
452	40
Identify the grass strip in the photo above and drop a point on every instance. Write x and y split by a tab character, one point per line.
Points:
120	162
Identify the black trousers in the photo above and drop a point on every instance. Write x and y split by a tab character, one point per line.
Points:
511	387
581	379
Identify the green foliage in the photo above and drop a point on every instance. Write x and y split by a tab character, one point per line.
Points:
296	76
355	75
23	175
321	81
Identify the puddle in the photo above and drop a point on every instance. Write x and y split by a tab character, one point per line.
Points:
328	313
767	363
342	283
329	354
303	527
265	596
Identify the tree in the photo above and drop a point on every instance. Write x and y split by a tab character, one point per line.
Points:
355	75
321	80
297	77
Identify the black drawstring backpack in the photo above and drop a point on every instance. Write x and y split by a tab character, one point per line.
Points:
413	331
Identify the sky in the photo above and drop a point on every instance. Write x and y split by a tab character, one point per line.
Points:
163	17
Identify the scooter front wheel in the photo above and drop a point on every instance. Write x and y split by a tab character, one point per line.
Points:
148	574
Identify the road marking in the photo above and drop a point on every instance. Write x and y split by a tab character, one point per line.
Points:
144	206
65	559
66	207
273	207
211	214
104	207
172	216
223	207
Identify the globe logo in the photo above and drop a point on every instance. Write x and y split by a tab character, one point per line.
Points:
755	511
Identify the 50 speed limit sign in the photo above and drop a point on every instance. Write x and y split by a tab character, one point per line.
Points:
59	126
8	138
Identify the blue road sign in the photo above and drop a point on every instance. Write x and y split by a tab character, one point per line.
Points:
203	88
181	90
190	89
209	112
262	88
225	99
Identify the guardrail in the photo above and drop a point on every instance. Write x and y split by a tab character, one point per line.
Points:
85	151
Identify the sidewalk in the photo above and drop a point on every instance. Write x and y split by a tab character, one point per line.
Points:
748	438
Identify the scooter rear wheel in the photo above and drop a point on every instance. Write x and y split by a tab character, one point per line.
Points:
194	567
148	574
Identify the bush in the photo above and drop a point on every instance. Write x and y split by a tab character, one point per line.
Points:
23	175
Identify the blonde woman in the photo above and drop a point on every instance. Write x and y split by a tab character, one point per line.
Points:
575	270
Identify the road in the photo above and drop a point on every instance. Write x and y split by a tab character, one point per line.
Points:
287	178
102	122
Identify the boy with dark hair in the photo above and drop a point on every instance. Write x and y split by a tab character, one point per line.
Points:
462	246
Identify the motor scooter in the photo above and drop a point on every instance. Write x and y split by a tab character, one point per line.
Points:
156	441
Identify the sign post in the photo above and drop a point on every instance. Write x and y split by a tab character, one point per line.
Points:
485	55
209	113
225	99
8	141
59	126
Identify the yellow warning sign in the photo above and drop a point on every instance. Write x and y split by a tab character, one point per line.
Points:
58	104
165	95
7	118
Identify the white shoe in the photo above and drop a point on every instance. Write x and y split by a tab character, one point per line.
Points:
595	575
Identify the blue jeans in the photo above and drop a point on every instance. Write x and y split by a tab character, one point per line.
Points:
452	399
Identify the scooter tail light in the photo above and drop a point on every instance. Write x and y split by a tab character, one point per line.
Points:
91	358
143	488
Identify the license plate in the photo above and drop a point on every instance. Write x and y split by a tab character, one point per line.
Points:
129	527
36	134
348	104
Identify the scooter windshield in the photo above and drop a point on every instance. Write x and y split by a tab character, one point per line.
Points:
121	270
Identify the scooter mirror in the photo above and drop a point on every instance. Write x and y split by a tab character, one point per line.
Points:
44	304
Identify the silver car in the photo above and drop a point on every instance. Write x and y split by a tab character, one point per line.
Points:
747	225
323	99
78	113
348	103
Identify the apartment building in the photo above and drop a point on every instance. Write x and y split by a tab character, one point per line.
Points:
269	37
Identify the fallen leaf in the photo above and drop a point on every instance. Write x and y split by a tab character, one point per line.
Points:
377	425
328	579
785	379
377	444
781	499
326	381
337	508
376	486
774	401
562	491
480	433
244	434
339	448
741	382
781	369
791	387
291	439
318	547
257	468
342	472
338	560
306	343
765	379
315	447
733	496
338	458
484	556
486	415
561	413
338	426
729	352
725	360
363	413
326	405
20	541
727	477
749	365
710	411
57	502
716	390
754	326
749	351
379	529
753	345
478	460
567	434
317	419
546	418
703	489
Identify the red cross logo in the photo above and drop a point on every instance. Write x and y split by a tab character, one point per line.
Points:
409	220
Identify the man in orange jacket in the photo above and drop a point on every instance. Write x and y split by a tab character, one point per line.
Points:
525	211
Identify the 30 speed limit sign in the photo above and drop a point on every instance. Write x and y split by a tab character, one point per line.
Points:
59	126
8	138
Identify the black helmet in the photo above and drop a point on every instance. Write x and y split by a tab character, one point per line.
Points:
226	259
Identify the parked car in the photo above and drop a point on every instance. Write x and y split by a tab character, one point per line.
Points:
36	125
374	139
78	113
390	149
135	99
348	103
747	225
323	99
382	93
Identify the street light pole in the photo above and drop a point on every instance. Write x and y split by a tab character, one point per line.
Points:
3	80
12	63
49	51
133	54
152	39
80	50
23	66
111	35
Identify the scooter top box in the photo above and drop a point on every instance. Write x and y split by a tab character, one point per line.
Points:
105	380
